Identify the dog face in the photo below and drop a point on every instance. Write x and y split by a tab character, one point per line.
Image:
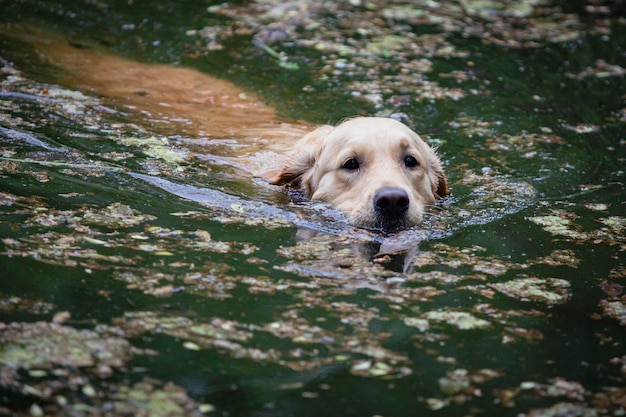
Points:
377	171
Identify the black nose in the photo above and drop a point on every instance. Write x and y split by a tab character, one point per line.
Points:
391	202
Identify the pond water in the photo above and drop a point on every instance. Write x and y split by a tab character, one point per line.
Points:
144	272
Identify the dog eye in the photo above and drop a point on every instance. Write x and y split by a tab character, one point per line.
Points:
410	161
351	164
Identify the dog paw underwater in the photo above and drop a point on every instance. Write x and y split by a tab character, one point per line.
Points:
376	171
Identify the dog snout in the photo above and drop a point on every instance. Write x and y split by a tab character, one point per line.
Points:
391	202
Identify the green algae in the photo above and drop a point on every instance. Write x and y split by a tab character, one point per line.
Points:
48	346
459	319
546	290
268	318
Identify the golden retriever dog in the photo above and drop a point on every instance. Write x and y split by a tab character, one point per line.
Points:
375	170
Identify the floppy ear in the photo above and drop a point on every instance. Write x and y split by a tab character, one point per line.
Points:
438	177
301	161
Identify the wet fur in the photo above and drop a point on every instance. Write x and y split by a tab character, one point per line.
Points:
380	145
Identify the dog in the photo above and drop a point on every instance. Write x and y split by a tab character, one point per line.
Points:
375	170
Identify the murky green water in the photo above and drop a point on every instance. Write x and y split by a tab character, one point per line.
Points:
140	276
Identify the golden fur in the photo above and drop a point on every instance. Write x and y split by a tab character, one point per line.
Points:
375	170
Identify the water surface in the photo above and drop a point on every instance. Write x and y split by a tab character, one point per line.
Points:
146	272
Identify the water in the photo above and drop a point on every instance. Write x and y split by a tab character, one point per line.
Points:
145	270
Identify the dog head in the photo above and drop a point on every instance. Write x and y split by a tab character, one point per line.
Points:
375	170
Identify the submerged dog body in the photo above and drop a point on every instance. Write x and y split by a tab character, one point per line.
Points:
375	170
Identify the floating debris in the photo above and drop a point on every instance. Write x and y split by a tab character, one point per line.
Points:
615	310
44	345
459	319
115	215
545	290
228	275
